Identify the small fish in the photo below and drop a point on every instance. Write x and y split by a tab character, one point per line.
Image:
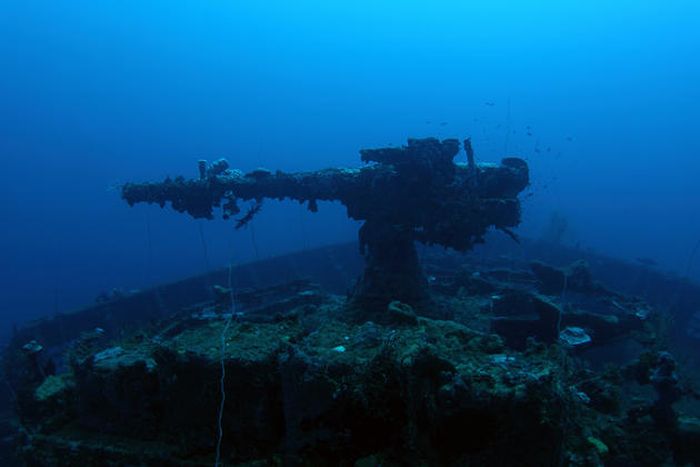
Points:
443	123
489	104
569	138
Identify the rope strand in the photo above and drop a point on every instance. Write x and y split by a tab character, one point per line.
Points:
222	360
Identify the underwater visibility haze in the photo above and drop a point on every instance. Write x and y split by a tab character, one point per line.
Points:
393	233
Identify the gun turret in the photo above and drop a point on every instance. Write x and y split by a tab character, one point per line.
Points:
412	193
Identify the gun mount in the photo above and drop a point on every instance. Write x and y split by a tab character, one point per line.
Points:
412	193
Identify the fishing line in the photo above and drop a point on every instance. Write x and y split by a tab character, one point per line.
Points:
222	362
148	276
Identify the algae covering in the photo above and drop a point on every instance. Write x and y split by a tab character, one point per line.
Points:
440	358
310	388
414	193
305	385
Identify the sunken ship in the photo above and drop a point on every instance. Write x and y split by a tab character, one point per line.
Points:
422	344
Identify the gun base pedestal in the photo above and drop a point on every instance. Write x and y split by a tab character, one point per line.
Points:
392	273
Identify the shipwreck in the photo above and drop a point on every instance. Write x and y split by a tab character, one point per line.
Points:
516	356
405	194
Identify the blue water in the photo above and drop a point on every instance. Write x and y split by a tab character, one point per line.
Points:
97	93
